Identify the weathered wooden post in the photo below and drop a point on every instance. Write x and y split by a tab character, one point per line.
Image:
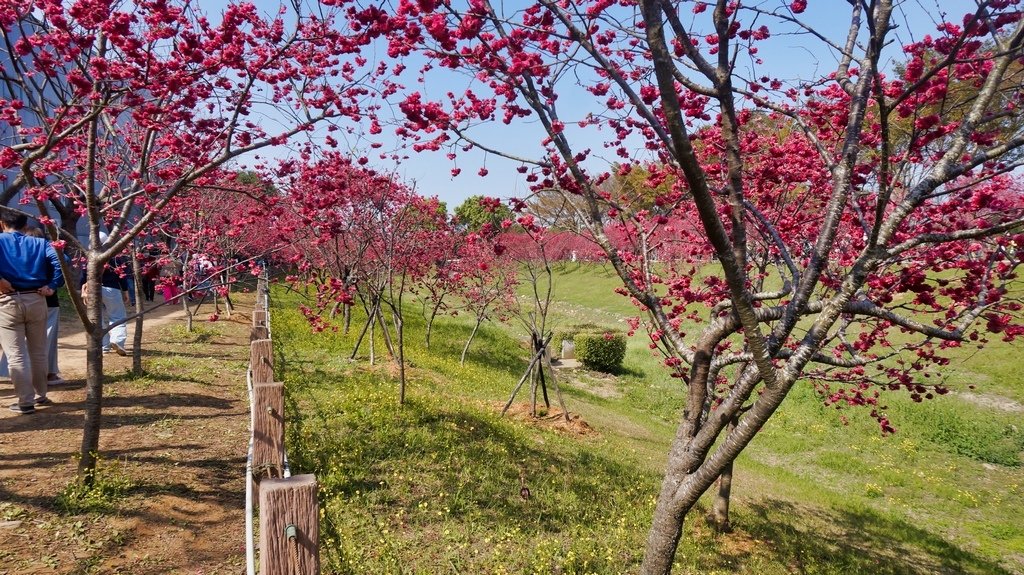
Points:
289	526
261	361
263	294
268	430
258	332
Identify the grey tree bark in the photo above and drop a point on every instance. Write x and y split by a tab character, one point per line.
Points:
140	308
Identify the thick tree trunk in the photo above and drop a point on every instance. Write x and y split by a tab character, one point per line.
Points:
526	374
139	318
93	376
472	334
663	538
347	311
691	471
430	325
554	382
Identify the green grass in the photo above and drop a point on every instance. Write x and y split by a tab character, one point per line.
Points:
433	487
110	485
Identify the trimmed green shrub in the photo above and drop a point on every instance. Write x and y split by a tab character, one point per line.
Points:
601	351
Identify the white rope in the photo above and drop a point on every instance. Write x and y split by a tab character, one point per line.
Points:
250	543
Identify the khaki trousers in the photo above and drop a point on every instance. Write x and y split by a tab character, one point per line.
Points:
23	338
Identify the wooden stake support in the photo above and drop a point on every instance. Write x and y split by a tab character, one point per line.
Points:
261	361
259	318
289	526
268	430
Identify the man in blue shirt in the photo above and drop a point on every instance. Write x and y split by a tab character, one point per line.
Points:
32	268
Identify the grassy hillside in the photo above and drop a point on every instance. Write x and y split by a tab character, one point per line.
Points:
435	486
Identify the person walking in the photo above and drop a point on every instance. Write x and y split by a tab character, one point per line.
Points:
170	275
114	293
150	275
53	376
31	267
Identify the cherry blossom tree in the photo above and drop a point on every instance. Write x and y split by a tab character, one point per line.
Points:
879	205
486	283
434	290
369	237
217	232
406	249
533	249
114	108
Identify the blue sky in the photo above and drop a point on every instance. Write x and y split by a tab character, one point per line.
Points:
786	55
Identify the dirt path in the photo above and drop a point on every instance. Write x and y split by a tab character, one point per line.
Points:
71	343
173	456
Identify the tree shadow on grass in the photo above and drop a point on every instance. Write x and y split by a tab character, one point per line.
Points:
492	347
472	464
127	377
373	457
226	356
852	542
224	470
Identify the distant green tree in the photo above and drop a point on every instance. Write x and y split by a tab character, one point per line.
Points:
471	214
640	186
557	211
254	183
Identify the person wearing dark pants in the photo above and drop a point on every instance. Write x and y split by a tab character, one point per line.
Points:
150	275
32	268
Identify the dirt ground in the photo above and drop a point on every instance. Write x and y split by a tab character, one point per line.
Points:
173	449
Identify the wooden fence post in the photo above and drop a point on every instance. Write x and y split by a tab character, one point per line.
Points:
289	526
259	318
261	361
263	295
258	332
268	430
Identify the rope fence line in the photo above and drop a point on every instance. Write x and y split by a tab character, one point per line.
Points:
289	530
